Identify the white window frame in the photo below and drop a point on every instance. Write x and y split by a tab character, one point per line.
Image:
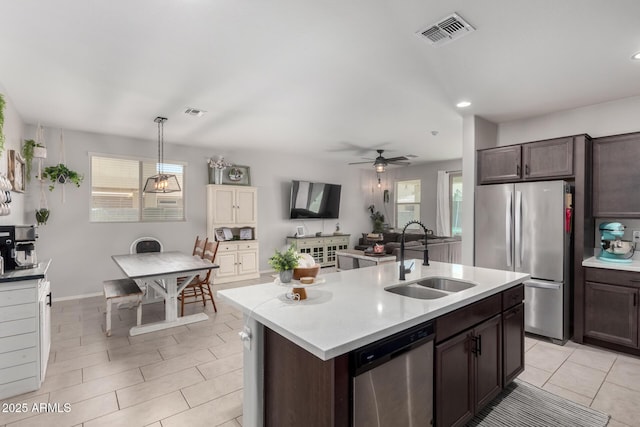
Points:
141	183
453	175
397	203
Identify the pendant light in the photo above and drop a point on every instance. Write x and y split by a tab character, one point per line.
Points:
161	183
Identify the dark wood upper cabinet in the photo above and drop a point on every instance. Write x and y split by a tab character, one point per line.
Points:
548	159
616	176
502	164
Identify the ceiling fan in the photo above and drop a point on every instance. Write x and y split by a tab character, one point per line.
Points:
380	163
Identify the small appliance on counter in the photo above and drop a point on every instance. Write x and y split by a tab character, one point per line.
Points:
612	247
17	246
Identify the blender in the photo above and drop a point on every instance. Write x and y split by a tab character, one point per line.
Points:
612	247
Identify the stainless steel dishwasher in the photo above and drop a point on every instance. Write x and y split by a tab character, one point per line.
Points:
392	380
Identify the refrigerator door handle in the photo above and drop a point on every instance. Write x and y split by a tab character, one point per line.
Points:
519	252
542	285
507	222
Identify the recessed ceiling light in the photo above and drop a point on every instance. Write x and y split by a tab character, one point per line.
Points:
194	112
463	104
636	56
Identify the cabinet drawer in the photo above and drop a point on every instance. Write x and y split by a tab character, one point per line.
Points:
247	246
17	342
16	373
613	277
305	243
18	357
466	317
17	327
227	247
15	312
20	296
512	297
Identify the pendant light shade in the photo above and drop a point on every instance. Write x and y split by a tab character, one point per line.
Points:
162	182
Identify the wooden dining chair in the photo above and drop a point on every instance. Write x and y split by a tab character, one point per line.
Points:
199	288
198	247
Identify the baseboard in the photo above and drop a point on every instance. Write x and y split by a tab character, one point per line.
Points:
96	294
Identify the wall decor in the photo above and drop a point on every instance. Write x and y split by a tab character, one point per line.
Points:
237	175
246	233
16	171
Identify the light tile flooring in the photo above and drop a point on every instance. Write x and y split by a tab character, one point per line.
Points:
192	375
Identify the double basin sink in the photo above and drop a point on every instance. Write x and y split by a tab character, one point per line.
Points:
431	288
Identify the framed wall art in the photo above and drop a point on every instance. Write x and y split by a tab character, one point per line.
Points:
16	171
236	175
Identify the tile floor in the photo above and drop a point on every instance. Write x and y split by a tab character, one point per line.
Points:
192	375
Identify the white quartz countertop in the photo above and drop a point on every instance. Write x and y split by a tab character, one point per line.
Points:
351	308
596	262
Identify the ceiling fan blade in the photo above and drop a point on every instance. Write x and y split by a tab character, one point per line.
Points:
360	163
400	163
395	159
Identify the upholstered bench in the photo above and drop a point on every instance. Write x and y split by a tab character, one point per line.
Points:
122	291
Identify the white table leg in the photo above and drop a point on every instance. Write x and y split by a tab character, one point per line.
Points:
168	288
109	317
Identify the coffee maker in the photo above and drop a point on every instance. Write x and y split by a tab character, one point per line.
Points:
17	246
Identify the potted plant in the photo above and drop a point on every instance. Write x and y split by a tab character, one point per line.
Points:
31	150
284	263
377	218
42	215
61	174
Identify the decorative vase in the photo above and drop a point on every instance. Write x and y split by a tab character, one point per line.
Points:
39	153
42	215
286	276
215	175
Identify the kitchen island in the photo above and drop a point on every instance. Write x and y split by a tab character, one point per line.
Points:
343	312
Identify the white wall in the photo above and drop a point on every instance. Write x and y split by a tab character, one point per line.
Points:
81	251
13	131
608	118
427	173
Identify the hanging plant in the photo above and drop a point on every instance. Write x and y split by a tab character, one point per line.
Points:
42	215
61	174
2	104
31	149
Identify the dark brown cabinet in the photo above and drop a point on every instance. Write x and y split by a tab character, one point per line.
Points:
616	176
611	313
469	367
499	164
549	159
513	343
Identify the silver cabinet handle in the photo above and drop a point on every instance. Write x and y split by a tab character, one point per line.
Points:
518	229
542	285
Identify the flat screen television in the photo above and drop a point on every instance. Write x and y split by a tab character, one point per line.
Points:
314	200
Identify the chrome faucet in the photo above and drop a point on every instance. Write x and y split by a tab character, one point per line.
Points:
426	251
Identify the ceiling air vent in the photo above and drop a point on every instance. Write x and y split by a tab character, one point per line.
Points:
194	112
446	30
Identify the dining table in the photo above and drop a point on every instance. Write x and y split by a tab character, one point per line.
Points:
161	271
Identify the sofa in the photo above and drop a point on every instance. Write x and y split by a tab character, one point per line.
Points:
443	249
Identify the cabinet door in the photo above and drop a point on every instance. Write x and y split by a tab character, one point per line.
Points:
247	262
499	164
227	262
512	343
611	313
222	205
548	159
454	381
245	202
616	176
488	336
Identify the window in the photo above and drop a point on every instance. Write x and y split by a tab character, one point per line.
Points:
116	191
455	200
407	202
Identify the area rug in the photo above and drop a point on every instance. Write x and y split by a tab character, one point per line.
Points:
523	405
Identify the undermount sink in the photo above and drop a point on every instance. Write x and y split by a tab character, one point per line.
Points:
444	284
426	288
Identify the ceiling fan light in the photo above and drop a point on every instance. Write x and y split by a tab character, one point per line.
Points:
379	167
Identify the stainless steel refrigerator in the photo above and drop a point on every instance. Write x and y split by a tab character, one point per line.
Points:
523	227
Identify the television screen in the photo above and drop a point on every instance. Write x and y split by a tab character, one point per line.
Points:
314	200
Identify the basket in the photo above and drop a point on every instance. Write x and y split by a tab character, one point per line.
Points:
299	272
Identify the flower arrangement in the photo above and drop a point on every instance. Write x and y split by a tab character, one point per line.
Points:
221	163
283	261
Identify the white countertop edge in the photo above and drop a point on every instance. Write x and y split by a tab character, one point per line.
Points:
332	352
595	262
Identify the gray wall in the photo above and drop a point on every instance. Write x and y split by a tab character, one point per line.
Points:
81	251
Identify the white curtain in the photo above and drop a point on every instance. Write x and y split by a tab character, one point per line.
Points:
443	215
